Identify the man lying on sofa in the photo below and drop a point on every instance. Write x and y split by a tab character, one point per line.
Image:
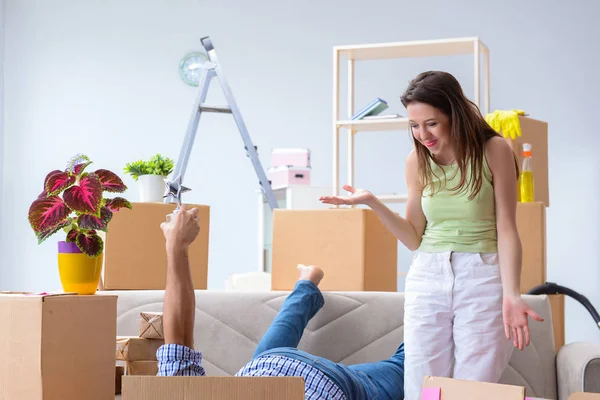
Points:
276	354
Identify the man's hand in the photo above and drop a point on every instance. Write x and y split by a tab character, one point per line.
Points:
181	230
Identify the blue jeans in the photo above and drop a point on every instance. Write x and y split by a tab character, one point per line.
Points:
378	380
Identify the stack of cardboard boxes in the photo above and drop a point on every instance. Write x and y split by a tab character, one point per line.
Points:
138	353
531	219
289	167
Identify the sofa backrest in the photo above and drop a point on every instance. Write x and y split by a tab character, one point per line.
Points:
352	327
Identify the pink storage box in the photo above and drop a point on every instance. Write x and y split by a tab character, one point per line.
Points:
285	176
290	158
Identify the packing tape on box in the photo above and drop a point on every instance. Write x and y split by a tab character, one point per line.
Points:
131	348
151	325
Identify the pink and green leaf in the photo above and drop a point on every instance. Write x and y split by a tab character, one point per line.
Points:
110	181
85	198
41	236
47	213
72	235
90	243
44	193
87	221
78	168
117	203
57	182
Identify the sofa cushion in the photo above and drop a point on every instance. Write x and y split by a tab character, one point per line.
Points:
352	327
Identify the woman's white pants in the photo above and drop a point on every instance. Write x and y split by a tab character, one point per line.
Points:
453	323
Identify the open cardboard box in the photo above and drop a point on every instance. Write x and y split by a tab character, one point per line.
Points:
222	388
292	388
436	388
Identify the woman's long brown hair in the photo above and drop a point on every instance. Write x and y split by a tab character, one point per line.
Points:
468	129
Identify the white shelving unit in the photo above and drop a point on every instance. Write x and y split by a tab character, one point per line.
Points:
382	51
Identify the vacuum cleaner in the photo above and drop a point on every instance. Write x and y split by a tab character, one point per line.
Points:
553	288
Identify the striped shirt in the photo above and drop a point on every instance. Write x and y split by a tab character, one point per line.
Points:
177	360
316	384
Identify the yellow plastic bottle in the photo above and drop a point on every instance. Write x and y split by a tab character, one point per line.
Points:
526	187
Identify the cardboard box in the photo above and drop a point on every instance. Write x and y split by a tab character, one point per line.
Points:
151	325
56	347
222	388
130	348
142	367
531	225
557	305
584	396
135	256
435	388
536	133
351	245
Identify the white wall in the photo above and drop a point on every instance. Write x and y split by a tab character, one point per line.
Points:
101	78
3	271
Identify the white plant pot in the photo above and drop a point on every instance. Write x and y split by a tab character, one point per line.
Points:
152	188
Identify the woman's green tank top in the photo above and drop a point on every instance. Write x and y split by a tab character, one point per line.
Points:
455	223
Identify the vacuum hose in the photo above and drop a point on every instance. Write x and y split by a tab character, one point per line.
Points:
553	288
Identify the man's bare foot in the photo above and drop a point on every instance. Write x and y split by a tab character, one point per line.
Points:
310	273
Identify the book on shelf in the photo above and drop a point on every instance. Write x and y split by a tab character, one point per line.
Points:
375	107
384	116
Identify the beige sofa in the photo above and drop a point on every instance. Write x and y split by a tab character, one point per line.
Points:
356	327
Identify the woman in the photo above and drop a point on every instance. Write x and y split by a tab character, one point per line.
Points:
462	291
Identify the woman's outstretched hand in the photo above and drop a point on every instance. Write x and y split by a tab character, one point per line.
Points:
357	196
516	313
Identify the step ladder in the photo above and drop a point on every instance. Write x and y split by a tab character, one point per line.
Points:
209	70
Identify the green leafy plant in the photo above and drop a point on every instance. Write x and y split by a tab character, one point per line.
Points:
157	165
82	210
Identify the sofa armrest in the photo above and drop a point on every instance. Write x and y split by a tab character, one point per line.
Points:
578	369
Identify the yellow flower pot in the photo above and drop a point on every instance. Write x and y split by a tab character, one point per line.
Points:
79	273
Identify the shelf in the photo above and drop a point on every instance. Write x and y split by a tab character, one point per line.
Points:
375	125
420	48
393	198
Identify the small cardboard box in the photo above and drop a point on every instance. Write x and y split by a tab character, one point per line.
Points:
435	388
135	256
535	133
222	388
351	245
141	367
56	347
557	305
531	225
151	325
131	348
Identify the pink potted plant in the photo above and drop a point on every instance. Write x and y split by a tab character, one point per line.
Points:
73	201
